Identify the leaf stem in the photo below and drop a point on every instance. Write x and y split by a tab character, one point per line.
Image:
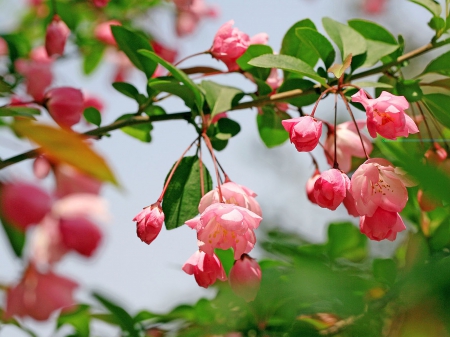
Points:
211	150
335	163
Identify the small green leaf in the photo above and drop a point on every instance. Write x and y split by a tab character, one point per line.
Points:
298	83
252	52
184	193
19	111
126	89
219	97
384	270
438	24
130	42
179	75
92	115
5	88
226	257
173	87
432	6
288	63
370	84
79	318
154	110
345	241
228	126
444	83
438	105
270	128
138	131
410	89
15	237
93	54
319	43
339	69
440	65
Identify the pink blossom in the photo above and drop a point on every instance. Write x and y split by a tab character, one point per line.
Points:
226	226
41	167
205	268
374	6
386	115
331	188
245	278
70	181
310	186
348	144
100	3
23	204
381	225
164	52
65	105
304	132
274	80
104	34
56	36
436	155
349	203
80	235
123	67
3	47
91	101
376	183
230	43
38	295
190	13
232	193
149	223
47	247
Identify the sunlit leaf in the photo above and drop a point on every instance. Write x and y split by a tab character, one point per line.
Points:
219	97
432	6
138	131
293	46
19	111
270	128
319	43
92	115
438	105
440	65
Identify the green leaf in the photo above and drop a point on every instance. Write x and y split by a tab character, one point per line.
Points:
130	42
219	97
173	87
227	127
304	85
444	83
293	46
339	69
438	105
252	52
432	6
138	131
345	241
184	193
5	88
123	318
179	75
126	89
270	128
438	24
92	115
370	84
348	40
226	257
440	65
372	31
15	236
154	110
316	41
93	54
79	318
288	63
441	236
384	270
410	89
19	111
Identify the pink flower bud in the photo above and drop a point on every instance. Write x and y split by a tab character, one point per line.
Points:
331	188
100	3
65	105
381	225
205	268
436	155
24	204
104	34
245	277
56	36
41	167
374	6
3	47
164	52
80	234
149	223
427	202
304	132
310	186
38	295
92	102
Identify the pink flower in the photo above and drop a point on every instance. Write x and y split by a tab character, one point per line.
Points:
3	47
100	3
274	80
232	193
376	183
349	203
245	278
92	102
56	36
70	181
348	144
374	6
41	167
331	188
164	52
310	186
205	268
427	202
381	225
38	294
304	132
104	34
149	223
65	105
80	235
23	204
226	226
190	12
386	116
230	43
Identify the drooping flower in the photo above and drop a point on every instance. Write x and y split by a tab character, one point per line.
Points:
232	193
348	144
245	278
56	36
381	225
331	188
310	186
226	226
65	105
3	47
69	180
205	268
386	115
104	34
304	132
41	167
149	223
80	235
230	43
377	183
38	295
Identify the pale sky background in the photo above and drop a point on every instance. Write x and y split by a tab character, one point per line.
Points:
150	277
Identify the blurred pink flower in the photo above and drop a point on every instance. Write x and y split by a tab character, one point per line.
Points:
80	234
3	47
374	6
226	226
38	295
381	225
56	36
310	186
65	105
91	101
189	14
164	52
331	188
149	223
274	80
205	268
41	167
104	34
245	277
386	115
100	3
69	180
304	132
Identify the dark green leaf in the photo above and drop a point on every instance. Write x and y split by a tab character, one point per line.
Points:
345	241
288	63
175	88
154	110
432	6
127	89
316	41
5	88
138	131
184	193
444	83
263	87
252	52
179	75
79	318
219	97
438	24
298	83
440	65
372	31
438	105
15	236
384	270
19	111
130	42
92	115
227	127
93	54
270	128
410	89
18	46
219	144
